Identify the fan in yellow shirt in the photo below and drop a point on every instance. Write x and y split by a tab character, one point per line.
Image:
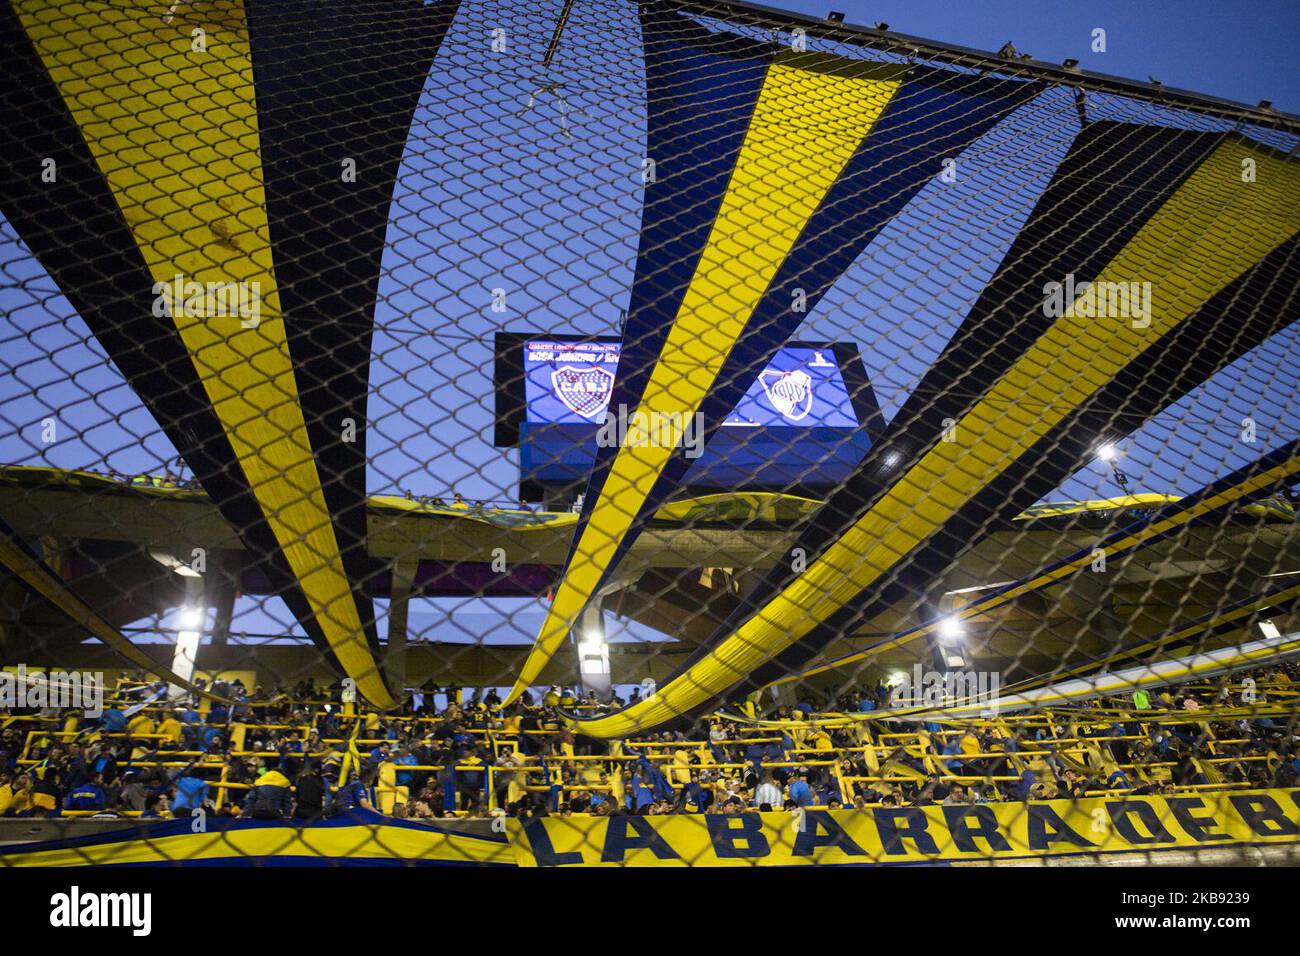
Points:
820	740
516	780
172	729
140	725
681	766
19	799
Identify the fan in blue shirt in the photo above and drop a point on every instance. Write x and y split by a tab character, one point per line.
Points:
88	796
800	792
113	721
190	793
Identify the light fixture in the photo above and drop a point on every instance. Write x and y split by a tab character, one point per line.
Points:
1269	630
1108	452
173	563
191	618
593	641
593	652
950	629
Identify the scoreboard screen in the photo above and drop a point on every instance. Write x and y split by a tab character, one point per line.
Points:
803	424
571	382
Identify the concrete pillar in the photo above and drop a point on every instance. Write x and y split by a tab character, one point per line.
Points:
189	634
399	605
219	586
593	652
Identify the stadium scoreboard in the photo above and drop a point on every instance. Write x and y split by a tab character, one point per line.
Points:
803	424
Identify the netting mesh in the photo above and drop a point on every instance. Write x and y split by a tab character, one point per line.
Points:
628	433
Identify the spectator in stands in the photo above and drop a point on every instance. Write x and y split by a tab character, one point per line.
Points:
680	768
46	793
402	757
470	779
140	725
156	807
311	794
957	797
270	798
768	795
88	796
74	771
378	755
191	792
800	792
355	795
10	747
211	740
133	794
172	729
6	792
102	760
113	720
21	803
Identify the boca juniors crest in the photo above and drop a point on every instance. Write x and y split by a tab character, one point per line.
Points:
585	389
791	393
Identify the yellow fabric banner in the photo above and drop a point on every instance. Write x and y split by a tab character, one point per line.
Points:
914	834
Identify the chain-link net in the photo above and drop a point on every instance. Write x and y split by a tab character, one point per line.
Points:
588	432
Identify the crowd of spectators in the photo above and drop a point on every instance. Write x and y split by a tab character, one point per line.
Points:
302	753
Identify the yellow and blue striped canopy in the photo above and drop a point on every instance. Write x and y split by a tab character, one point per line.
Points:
1022	394
252	147
772	170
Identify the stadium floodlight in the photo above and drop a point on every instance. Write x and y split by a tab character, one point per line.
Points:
173	563
1269	630
951	629
1109	453
593	651
191	618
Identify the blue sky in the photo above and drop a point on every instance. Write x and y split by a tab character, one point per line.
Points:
1244	50
494	195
